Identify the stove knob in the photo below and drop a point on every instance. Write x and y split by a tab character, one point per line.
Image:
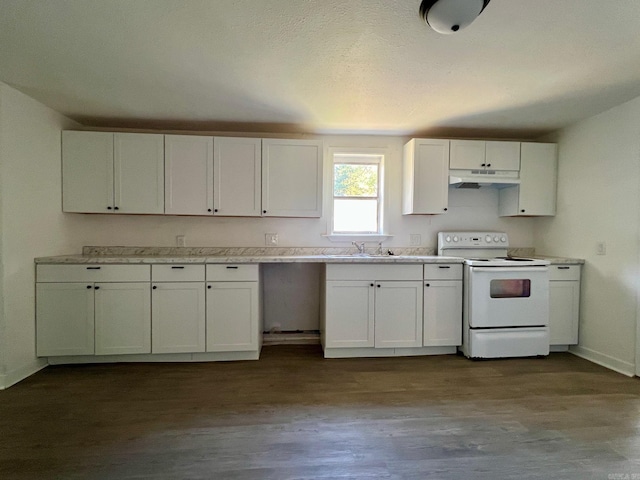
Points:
503	239
448	238
455	238
496	239
487	239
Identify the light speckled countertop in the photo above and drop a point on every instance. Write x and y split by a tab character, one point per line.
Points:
148	255
120	259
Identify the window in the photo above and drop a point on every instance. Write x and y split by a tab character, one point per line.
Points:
357	196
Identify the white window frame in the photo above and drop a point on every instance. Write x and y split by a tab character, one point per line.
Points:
367	156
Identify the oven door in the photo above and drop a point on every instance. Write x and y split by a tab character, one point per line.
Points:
508	296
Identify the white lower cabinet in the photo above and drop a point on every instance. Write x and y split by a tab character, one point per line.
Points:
177	308
398	314
564	304
442	305
178	317
123	318
64	313
84	310
233	302
349	307
362	311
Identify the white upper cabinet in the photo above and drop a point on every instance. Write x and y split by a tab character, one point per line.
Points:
425	177
536	194
112	173
237	176
502	155
188	166
484	155
291	178
87	172
139	172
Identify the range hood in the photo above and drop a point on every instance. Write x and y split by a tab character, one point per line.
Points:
483	178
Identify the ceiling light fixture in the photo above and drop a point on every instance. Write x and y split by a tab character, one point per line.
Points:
449	16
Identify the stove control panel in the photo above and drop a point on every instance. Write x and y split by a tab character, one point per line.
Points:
473	240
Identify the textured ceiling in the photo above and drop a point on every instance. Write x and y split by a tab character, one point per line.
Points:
523	68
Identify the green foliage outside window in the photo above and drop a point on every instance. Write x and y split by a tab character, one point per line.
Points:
353	180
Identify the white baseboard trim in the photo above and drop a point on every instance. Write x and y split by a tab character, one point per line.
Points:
14	376
615	364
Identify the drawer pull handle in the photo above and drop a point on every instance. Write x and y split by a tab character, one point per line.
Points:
563	268
444	266
177	268
93	268
232	268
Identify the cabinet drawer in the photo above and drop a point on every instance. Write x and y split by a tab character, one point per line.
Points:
177	273
232	273
93	273
438	271
374	272
564	272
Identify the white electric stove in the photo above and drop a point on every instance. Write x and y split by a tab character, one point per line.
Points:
506	299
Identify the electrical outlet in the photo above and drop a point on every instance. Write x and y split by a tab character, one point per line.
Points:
601	248
181	241
271	239
415	239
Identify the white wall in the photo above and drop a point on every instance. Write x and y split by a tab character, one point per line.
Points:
599	200
31	222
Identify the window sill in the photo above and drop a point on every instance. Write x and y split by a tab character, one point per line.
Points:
355	237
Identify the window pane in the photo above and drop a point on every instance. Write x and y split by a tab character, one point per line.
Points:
355	216
353	180
512	288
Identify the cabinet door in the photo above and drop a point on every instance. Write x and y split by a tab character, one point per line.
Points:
232	316
349	317
188	175
502	155
538	179
123	318
87	172
64	319
139	173
178	317
291	178
426	177
442	313
467	154
564	305
398	314
237	164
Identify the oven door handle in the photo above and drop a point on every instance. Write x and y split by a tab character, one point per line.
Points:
541	268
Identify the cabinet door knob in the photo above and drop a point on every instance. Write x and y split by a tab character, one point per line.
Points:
522	210
108	208
154	287
208	209
445	209
215	209
427	284
483	165
264	211
89	287
209	286
372	284
116	208
97	287
488	164
378	285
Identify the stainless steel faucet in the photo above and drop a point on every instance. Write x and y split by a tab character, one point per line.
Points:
379	251
359	246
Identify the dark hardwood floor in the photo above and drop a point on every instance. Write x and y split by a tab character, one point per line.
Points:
295	415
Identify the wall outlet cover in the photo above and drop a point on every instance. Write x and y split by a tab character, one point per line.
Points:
271	239
415	239
181	241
